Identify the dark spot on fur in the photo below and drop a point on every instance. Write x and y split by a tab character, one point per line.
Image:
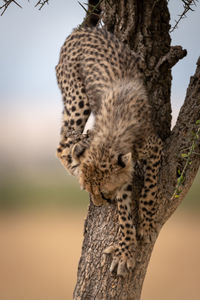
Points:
152	186
148	180
78	122
122	244
81	104
86	112
69	159
156	164
155	149
129	187
127	225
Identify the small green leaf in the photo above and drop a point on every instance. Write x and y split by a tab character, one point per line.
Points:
198	122
184	155
180	179
178	191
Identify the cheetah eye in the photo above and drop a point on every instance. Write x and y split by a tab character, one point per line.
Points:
124	159
120	161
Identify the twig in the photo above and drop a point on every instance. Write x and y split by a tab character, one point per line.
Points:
187	6
6	4
4	7
41	3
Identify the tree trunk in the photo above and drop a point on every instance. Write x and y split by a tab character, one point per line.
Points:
144	25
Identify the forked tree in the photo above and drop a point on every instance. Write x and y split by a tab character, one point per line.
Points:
144	26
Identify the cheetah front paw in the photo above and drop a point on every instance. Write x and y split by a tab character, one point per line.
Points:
123	258
147	231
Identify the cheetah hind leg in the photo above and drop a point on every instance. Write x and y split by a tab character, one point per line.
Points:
148	203
123	254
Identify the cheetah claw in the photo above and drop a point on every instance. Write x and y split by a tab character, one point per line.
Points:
69	163
123	262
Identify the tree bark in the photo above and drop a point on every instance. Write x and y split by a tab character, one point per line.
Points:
144	25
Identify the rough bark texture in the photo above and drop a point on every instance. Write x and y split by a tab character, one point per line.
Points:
144	25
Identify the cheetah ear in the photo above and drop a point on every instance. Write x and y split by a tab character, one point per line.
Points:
77	151
124	159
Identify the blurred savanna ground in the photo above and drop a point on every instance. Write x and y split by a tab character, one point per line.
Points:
41	230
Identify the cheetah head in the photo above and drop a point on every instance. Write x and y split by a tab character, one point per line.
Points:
102	172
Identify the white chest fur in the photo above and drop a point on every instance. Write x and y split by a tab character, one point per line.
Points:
90	123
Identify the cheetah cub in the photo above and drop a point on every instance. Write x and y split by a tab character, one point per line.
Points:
99	74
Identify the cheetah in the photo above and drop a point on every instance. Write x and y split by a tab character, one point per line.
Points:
99	74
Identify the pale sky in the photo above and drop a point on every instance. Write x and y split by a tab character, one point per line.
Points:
30	101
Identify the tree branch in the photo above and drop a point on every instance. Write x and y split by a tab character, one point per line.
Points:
171	58
182	138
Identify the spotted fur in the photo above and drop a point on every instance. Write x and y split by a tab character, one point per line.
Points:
98	73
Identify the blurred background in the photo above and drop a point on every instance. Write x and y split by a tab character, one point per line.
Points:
42	209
